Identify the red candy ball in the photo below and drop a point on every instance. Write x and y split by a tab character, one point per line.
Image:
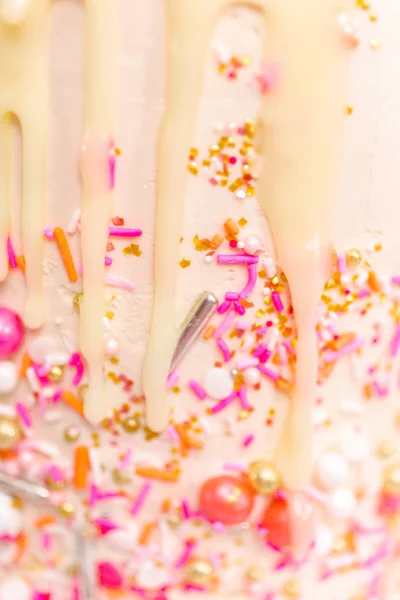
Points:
11	332
276	521
226	499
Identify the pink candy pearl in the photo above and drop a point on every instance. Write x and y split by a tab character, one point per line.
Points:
251	376
11	332
253	245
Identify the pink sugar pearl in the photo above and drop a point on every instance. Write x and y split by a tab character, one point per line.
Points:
11	332
253	245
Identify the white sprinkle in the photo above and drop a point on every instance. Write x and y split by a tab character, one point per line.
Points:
95	465
74	221
45	448
58	359
332	470
343	503
32	380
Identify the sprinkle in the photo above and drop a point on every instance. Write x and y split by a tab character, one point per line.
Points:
159	474
269	77
26	363
248	440
45	521
277	302
108	261
72	401
141	498
32	379
173	378
231	227
11	254
395	344
247	363
23	414
243	398
247	290
332	356
119	282
341	263
224	403
209	332
21	263
81	467
236	259
66	255
185	263
217	240
111	167
188	551
74	221
226	323
146	533
185	509
234	467
76	361
48	233
271	374
197	389
224	349
124	232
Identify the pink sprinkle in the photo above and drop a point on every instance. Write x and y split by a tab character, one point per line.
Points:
269	77
248	440
222	308
330	356
234	467
242	325
232	296
108	261
260	350
105	525
108	576
39	375
23	414
172	433
271	374
46	541
243	398
185	509
111	165
224	403
395	345
48	233
173	378
11	254
233	160
191	587
363	293
76	361
277	302
341	263
197	389
233	243
185	556
282	354
252	270
226	324
396	280
224	349
119	282
126	459
236	259
124	232
141	497
247	363
239	308
41	596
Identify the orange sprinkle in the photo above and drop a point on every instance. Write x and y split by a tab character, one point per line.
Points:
145	534
231	227
73	402
66	255
160	474
187	441
81	467
373	282
217	240
21	262
22	544
26	363
45	520
209	332
166	505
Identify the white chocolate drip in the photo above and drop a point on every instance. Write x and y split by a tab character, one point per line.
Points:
24	83
300	135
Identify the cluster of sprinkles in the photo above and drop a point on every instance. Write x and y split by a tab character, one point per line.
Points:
131	501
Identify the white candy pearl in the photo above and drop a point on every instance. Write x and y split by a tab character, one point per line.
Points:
251	376
218	383
253	245
343	503
355	445
332	470
112	347
13	588
8	377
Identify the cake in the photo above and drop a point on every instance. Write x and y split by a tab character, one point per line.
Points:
200	300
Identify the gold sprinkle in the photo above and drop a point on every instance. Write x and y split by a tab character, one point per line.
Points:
120	478
254	573
133	249
242	222
185	262
348	109
363	4
386	449
292	588
109	315
67	509
375	43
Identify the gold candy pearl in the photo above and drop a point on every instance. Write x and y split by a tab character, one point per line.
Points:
82	391
199	571
10	433
130	424
292	588
173	521
56	373
386	449
66	509
254	574
264	477
353	257
72	434
391	479
120	478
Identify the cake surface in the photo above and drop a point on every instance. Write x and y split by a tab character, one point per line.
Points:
139	512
